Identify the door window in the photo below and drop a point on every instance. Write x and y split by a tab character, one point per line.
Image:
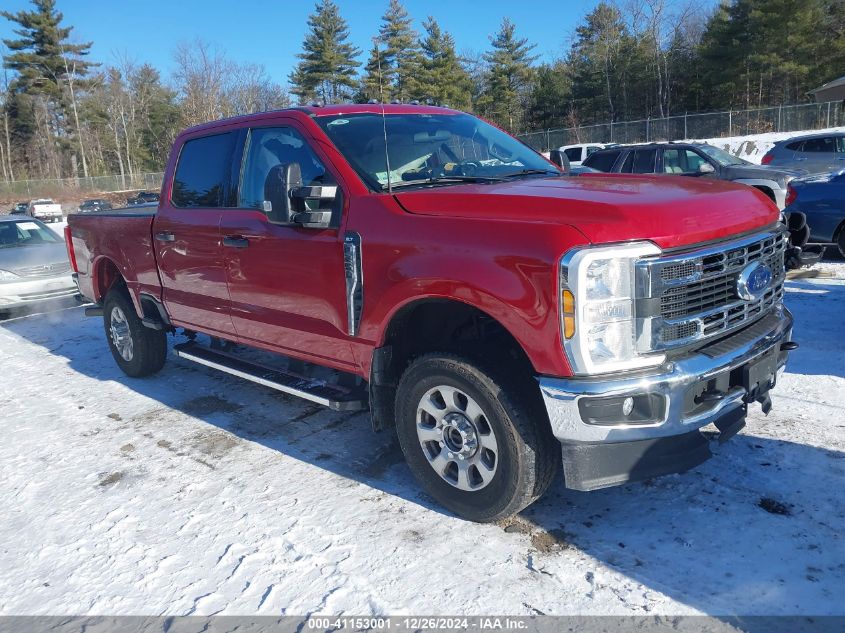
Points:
682	161
644	161
603	161
573	154
826	144
269	149
203	172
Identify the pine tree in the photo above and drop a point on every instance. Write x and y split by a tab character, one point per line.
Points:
373	83
509	76
400	58
328	65
597	59
50	70
441	78
550	93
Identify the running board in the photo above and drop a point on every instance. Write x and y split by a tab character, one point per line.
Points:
336	397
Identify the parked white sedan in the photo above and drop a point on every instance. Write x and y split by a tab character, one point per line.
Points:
34	264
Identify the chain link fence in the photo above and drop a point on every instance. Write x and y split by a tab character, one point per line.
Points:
794	118
29	189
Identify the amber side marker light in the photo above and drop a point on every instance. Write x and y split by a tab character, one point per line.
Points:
567	304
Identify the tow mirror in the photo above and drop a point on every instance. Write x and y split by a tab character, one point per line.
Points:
312	200
706	168
560	159
287	201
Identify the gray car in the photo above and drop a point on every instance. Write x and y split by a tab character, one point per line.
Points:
814	153
34	264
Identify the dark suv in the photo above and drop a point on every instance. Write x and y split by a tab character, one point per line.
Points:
693	159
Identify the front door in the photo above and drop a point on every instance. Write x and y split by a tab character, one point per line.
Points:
186	234
286	282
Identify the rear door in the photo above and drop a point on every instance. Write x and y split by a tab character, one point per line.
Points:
186	234
286	282
817	154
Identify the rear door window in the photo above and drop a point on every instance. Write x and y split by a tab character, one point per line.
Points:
825	144
644	161
603	161
203	173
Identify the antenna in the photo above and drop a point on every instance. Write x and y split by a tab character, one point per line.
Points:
383	117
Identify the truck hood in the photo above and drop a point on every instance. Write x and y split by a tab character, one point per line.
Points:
766	172
670	211
16	258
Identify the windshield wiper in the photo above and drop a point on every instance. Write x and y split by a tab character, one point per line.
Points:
441	179
531	172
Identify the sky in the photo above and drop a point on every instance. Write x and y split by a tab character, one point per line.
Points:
271	32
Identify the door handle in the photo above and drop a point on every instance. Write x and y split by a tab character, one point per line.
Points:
165	236
235	241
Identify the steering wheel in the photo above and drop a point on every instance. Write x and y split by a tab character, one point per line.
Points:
470	168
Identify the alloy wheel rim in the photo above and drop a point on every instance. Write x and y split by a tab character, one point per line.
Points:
456	438
120	335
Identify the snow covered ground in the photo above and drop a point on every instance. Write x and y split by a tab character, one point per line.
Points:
194	492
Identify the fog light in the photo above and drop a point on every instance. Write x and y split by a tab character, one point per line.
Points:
617	410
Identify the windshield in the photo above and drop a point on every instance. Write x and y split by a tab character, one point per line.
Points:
722	157
25	233
425	148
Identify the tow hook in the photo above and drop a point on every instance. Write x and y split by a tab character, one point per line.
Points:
788	346
710	396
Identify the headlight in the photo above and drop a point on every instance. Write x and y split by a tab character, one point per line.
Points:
5	275
598	308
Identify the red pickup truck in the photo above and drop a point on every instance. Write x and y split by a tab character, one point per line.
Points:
500	316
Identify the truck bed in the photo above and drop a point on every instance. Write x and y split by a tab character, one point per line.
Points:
116	240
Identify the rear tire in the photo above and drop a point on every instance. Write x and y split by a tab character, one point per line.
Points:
138	350
476	442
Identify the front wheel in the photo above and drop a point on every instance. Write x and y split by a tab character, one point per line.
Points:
479	445
138	350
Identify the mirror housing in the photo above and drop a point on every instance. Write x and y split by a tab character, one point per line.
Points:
286	199
706	168
560	159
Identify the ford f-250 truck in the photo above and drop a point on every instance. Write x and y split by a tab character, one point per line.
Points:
500	316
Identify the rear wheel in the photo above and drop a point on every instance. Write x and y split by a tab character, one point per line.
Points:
138	350
472	440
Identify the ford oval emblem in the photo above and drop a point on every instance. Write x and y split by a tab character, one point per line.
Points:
753	282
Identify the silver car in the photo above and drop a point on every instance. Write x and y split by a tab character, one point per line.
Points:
814	153
34	263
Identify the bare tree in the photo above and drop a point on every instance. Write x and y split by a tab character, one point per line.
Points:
212	86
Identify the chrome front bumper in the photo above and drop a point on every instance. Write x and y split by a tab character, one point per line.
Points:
672	382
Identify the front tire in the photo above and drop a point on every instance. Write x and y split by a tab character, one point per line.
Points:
138	350
478	444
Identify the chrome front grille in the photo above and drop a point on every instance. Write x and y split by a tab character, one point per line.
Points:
47	270
693	296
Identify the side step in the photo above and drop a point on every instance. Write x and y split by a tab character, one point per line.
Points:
336	397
